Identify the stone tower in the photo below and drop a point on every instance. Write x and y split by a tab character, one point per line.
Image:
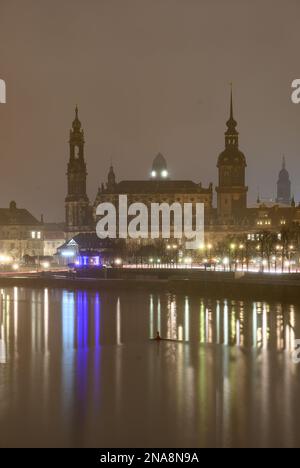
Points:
231	191
77	204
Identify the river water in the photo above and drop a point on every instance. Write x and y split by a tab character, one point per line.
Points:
77	369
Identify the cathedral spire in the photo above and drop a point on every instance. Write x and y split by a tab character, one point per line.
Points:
111	180
76	201
231	134
284	185
76	125
232	189
231	104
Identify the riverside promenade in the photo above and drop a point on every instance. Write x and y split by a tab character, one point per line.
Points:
236	285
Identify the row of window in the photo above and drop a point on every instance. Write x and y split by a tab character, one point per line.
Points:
268	222
257	237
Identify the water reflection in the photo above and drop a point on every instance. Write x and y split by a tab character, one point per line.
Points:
230	323
82	366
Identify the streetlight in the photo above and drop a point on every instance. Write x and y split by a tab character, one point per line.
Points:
241	248
225	262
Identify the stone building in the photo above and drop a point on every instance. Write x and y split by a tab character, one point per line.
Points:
231	216
77	205
21	233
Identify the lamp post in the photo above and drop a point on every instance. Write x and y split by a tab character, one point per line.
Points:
232	250
241	248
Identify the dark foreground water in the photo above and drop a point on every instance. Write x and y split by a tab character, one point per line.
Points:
78	369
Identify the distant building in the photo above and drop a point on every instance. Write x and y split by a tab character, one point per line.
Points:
232	215
159	189
284	186
77	205
21	233
232	190
86	249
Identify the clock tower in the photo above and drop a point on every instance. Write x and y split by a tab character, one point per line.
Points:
77	203
231	190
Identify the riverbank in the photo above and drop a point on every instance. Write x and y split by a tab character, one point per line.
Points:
258	286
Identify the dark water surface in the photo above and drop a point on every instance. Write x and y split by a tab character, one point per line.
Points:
78	369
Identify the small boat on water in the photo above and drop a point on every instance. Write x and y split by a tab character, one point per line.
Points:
158	339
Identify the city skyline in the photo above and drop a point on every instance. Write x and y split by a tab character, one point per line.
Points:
169	95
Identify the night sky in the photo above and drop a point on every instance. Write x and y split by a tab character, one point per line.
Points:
148	76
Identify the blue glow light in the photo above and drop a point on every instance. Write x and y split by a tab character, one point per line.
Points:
68	253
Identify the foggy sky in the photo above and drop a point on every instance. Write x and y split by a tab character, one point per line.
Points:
148	76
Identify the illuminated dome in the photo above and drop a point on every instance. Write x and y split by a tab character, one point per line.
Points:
159	168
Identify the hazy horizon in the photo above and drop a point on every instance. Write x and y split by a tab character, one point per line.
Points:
148	76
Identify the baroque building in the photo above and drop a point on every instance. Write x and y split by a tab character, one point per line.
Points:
232	215
77	205
232	190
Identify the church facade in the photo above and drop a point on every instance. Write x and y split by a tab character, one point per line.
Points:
231	217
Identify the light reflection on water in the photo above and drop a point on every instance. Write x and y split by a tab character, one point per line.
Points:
78	369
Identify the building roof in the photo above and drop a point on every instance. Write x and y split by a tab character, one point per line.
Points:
89	241
17	216
160	186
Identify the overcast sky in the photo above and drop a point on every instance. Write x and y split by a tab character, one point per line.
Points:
148	76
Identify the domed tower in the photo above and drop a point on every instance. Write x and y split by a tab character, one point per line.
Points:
284	185
77	202
159	168
231	191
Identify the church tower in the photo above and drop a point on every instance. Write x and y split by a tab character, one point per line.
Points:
76	202
111	180
231	191
284	186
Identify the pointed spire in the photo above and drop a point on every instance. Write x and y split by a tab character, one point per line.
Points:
283	162
76	122
258	196
231	104
293	203
231	123
231	134
111	179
